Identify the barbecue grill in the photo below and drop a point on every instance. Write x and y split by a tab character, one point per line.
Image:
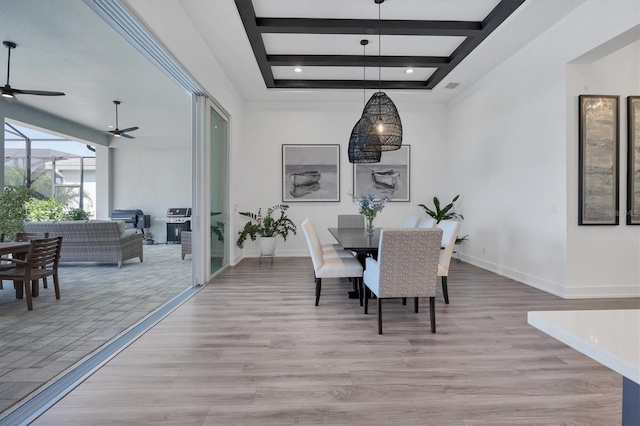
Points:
178	220
132	218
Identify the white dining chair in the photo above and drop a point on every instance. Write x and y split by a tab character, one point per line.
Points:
412	222
407	266
329	265
450	230
427	222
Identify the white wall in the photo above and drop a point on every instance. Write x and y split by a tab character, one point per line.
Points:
270	125
152	180
602	259
509	145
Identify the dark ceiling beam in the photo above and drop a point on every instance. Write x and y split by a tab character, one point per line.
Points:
474	33
357	61
248	16
368	26
348	84
489	24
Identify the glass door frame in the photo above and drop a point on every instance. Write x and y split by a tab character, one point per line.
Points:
201	189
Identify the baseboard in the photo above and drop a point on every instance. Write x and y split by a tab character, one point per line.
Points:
530	280
279	253
593	292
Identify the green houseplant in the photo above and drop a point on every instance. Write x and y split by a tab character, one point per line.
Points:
445	213
266	226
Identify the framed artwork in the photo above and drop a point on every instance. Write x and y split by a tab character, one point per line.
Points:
598	190
633	157
390	177
310	173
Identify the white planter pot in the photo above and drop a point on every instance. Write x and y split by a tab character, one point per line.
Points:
267	246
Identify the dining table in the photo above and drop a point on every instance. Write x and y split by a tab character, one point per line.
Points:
15	249
362	243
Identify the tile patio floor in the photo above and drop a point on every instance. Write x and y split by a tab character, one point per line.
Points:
97	303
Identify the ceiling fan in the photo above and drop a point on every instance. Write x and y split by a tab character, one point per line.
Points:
9	92
121	133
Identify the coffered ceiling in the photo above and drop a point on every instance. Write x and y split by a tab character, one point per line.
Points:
317	45
64	46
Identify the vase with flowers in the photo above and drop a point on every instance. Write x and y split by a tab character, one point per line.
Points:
369	208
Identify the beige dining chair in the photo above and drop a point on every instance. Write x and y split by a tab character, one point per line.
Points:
350	221
450	230
328	265
407	266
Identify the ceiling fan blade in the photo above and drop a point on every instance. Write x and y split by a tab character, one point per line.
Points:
38	92
130	129
124	135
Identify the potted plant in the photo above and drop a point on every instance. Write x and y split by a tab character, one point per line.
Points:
267	227
147	238
445	213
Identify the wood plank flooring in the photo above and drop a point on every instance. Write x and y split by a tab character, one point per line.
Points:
252	349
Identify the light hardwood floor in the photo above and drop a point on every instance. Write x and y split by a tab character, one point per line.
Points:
252	349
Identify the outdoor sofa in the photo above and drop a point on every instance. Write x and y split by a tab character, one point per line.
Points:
102	241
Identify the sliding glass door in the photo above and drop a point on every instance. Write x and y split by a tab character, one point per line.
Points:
219	212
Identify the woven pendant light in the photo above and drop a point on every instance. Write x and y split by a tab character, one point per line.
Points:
363	133
382	112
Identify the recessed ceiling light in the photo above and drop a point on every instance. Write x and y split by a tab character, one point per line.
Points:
408	70
297	69
110	126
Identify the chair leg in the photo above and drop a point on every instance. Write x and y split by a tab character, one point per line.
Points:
44	282
56	286
318	289
415	305
445	291
404	301
432	312
35	288
367	294
27	290
379	315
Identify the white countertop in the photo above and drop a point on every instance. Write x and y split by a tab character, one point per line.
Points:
611	337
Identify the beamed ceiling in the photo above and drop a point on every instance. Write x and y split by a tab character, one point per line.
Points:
329	52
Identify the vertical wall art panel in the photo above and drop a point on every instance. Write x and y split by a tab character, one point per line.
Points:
390	177
310	173
599	160
633	169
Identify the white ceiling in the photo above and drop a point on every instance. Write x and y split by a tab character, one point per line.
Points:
64	46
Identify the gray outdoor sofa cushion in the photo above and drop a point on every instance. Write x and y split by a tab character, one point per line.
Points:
102	241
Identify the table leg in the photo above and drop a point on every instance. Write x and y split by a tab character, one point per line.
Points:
630	402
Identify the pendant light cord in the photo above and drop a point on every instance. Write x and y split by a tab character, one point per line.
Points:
364	74
379	50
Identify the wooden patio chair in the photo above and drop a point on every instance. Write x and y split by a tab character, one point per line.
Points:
41	261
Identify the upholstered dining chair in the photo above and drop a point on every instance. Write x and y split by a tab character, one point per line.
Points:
41	261
335	250
412	222
427	222
328	265
407	266
350	221
450	230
